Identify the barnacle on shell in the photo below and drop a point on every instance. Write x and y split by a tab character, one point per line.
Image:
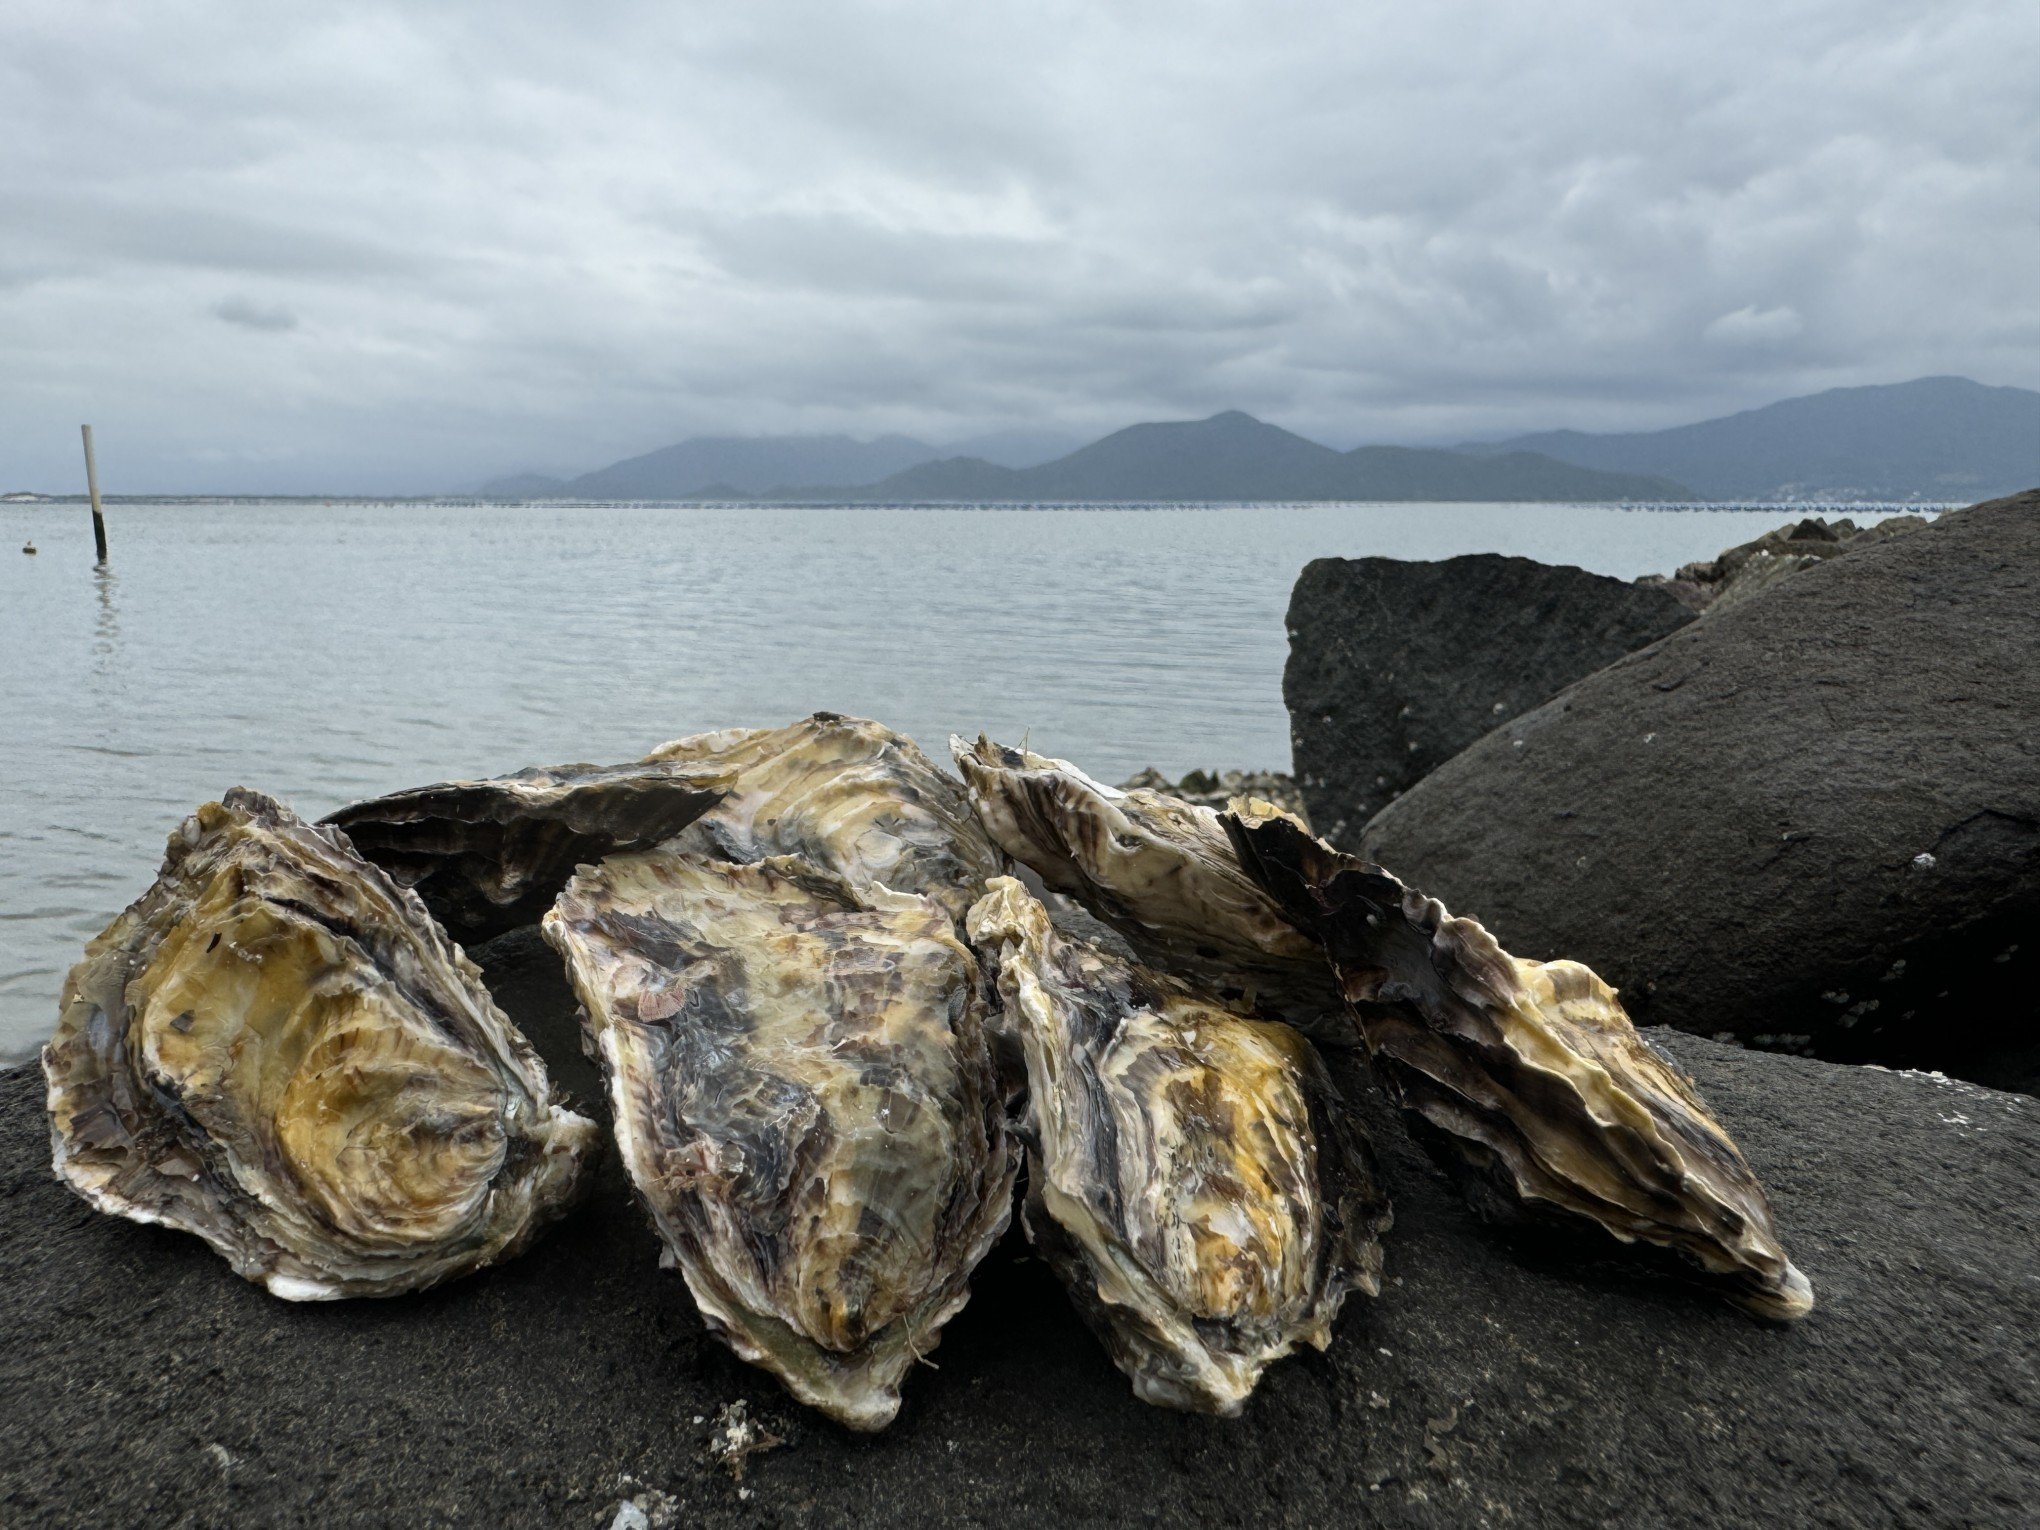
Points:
276	1049
1193	1177
490	856
1527	1079
805	1101
1160	872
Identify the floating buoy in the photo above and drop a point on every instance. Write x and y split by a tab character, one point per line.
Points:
29	548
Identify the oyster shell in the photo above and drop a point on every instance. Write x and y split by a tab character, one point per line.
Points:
805	1100
846	795
276	1049
1527	1079
1159	871
490	856
1193	1176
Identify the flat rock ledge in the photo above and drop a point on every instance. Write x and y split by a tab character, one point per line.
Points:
1492	1384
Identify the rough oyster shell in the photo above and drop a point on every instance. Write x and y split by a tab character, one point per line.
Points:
276	1049
846	795
490	856
1527	1079
1159	871
805	1100
1193	1176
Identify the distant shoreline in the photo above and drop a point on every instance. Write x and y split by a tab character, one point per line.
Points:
473	502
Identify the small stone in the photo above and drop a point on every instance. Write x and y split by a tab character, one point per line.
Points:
736	1437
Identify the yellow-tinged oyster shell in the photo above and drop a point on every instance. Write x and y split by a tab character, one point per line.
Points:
490	856
1159	871
276	1049
805	1100
1193	1176
1526	1078
846	795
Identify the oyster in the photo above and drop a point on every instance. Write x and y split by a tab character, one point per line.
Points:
1160	872
1193	1176
805	1100
1527	1079
848	796
276	1049
490	856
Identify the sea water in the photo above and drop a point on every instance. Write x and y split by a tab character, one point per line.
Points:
326	653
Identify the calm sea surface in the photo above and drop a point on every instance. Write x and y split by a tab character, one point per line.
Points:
326	654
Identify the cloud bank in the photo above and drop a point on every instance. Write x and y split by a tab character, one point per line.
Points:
391	248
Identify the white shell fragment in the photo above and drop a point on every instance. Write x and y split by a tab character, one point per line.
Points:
1527	1079
276	1049
1193	1176
1159	871
846	795
805	1101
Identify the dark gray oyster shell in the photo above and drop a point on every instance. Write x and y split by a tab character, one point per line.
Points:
490	856
1527	1079
846	795
276	1049
1193	1176
804	1098
1159	871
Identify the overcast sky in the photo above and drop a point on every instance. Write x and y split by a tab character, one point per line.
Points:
380	248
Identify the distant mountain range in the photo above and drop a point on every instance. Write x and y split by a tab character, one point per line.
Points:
1233	456
742	466
1939	438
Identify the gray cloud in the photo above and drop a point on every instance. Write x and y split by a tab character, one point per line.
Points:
505	235
249	315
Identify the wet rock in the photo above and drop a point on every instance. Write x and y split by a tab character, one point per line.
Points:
1491	1383
1394	667
1811	821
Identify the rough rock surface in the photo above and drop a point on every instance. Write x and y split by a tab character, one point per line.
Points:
1811	821
1491	1384
1394	667
1721	582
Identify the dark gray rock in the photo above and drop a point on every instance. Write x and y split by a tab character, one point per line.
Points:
1395	667
1811	820
1492	1383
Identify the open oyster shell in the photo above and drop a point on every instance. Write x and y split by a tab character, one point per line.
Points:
490	856
1159	871
846	795
1193	1176
1527	1079
805	1101
276	1049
